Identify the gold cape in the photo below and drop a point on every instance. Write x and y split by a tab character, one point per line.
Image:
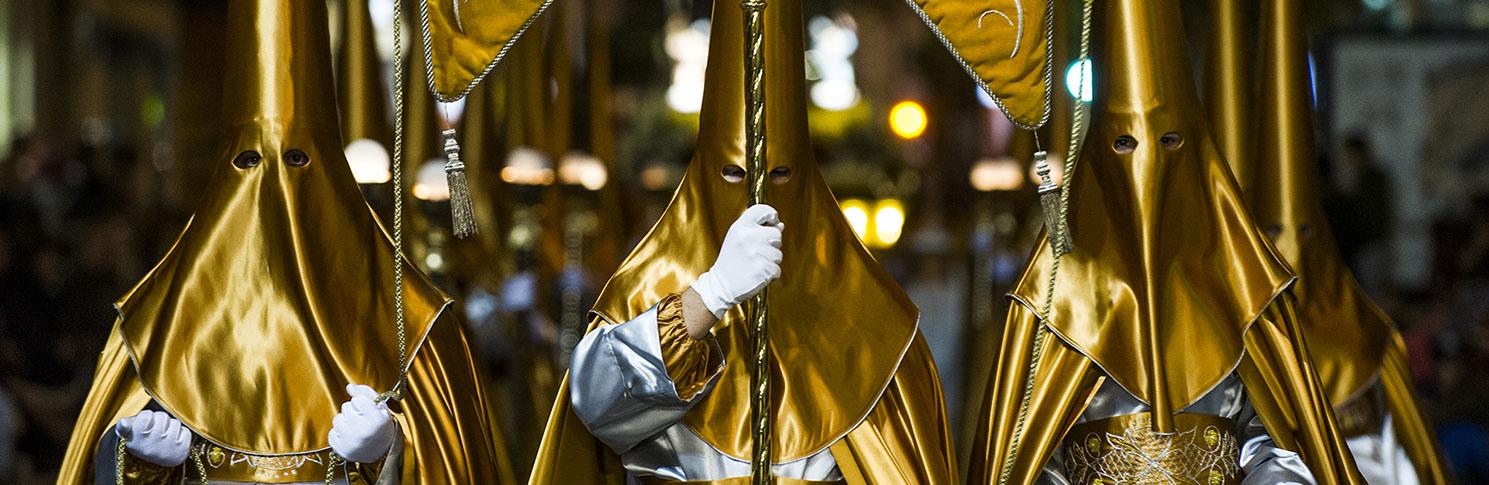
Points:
278	292
1005	45
852	374
1170	286
1351	337
468	39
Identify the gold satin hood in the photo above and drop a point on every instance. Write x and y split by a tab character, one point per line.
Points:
278	292
1167	272
1284	193
839	323
359	79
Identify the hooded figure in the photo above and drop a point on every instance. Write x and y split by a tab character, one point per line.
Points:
275	308
1361	359
658	389
1168	352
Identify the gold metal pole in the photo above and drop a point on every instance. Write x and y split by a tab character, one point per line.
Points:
760	406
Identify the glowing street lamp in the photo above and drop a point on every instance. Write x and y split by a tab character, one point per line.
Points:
908	120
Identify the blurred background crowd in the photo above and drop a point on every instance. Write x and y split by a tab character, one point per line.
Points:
108	122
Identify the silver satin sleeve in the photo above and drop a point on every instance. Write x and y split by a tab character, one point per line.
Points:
619	387
1262	461
1381	458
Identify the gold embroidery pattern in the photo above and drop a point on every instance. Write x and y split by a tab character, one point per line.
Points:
1204	450
235	466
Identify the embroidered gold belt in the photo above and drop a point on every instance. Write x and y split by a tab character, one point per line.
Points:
227	465
735	481
1362	415
1202	450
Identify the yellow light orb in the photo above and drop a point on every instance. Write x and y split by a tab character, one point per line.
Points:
857	214
908	120
889	222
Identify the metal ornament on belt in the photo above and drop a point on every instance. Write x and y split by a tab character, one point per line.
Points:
761	421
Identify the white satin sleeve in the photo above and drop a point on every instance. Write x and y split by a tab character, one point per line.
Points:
619	387
1262	461
1381	458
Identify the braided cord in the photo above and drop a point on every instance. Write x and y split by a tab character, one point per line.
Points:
1077	127
398	68
201	467
761	420
119	462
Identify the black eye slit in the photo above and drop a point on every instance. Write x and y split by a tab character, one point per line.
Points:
1171	141
780	175
1274	230
734	173
296	158
248	159
1125	144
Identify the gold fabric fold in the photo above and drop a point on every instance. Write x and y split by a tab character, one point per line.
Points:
839	322
467	39
446	439
1230	82
1413	431
1280	384
1065	381
1004	45
361	95
691	362
905	439
1284	389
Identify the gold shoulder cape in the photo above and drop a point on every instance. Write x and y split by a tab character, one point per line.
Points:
278	293
1351	338
1170	286
849	361
1005	45
467	39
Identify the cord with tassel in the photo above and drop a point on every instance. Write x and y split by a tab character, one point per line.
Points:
1049	199
462	210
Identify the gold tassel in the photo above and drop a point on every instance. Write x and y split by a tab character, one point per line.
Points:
462	210
1049	199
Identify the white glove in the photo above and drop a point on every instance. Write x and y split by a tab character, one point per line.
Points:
749	260
155	437
363	431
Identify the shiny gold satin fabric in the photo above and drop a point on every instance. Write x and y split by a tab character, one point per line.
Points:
359	79
1413	432
1229	80
468	39
1349	333
905	439
1285	390
1168	271
445	440
1280	384
1005	46
278	292
839	323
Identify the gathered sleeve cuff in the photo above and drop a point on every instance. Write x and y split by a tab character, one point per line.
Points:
691	363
